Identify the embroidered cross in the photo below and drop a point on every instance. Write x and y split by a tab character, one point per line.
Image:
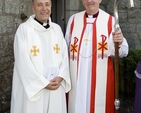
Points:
57	48
34	51
74	47
103	45
86	40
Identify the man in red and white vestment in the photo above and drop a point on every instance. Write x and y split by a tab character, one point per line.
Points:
90	37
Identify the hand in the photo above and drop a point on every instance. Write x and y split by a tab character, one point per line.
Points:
54	83
118	36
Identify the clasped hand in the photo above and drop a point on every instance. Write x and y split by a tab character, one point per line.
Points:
54	83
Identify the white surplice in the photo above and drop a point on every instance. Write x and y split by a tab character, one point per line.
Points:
40	55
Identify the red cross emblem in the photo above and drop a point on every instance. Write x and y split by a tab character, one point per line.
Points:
74	47
102	46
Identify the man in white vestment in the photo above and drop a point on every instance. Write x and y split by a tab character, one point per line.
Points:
90	36
41	70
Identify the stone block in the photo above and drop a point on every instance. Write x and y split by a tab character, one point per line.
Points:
12	6
74	5
1	6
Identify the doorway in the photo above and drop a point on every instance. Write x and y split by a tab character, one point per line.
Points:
58	13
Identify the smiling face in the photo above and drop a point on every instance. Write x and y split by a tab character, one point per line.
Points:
42	9
91	6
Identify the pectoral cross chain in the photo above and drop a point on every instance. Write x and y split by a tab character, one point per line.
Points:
86	41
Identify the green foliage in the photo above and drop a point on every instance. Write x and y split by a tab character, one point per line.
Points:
130	62
127	67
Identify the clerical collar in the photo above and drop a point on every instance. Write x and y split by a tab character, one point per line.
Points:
92	16
46	25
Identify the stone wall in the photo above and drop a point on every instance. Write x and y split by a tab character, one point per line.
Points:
10	18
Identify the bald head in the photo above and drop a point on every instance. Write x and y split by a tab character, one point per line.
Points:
33	1
41	9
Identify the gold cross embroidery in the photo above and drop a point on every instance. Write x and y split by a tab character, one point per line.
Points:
86	40
57	49
34	51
